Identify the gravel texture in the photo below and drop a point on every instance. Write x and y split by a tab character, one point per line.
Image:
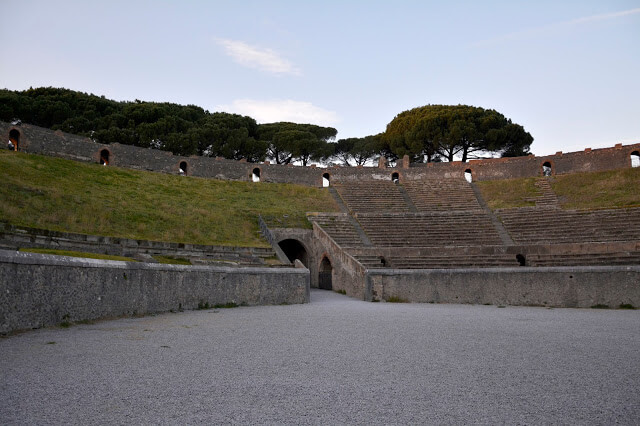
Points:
336	360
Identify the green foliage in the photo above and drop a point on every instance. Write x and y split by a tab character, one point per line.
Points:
435	132
587	190
64	195
71	253
228	305
289	142
183	130
396	299
627	306
357	150
171	260
590	190
509	193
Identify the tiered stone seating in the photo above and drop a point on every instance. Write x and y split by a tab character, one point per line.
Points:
584	259
441	194
534	225
372	195
339	228
455	228
462	260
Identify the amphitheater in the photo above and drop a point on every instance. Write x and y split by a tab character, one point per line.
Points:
411	233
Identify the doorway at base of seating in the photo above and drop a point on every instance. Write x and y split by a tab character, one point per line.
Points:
324	275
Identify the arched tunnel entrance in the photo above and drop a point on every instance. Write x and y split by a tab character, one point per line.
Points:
325	274
295	250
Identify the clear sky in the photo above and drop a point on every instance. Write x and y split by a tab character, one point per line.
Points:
568	71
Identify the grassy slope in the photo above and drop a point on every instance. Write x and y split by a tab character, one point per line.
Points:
63	195
594	190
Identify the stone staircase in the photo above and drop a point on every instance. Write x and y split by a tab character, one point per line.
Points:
372	196
441	194
340	228
547	197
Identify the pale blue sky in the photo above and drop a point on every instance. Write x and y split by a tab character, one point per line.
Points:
568	71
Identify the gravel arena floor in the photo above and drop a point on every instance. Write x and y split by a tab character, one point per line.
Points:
336	360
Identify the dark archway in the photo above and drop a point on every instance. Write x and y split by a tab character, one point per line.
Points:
326	180
468	175
325	274
522	261
104	157
395	177
635	159
547	169
183	167
295	250
255	174
14	139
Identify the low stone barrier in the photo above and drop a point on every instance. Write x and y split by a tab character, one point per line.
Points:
569	287
13	237
41	290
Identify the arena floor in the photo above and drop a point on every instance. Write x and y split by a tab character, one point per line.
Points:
336	360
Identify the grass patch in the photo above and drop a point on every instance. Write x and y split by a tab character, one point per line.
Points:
396	299
589	190
204	305
170	260
227	305
508	193
626	306
340	292
599	190
81	254
70	196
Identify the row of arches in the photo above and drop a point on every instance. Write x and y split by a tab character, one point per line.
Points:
295	250
547	166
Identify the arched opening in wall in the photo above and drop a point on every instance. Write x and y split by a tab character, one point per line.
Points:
468	176
326	180
325	275
295	250
183	168
14	139
546	169
395	177
635	159
104	157
522	261
255	174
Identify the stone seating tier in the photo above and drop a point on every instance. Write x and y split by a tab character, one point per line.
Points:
439	262
372	196
441	194
339	228
455	228
584	259
537	225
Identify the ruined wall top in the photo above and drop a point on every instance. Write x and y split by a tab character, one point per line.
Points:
38	140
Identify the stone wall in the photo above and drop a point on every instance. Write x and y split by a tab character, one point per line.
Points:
42	290
38	140
14	237
569	287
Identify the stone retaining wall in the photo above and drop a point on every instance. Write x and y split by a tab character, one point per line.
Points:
568	287
38	140
42	290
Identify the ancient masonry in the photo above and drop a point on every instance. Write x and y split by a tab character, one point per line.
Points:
413	232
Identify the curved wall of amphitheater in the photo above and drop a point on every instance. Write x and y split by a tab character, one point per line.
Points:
38	140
